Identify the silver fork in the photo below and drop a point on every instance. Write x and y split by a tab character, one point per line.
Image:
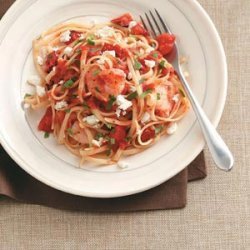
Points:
218	149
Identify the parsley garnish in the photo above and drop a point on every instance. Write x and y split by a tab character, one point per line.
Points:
68	84
97	89
112	141
90	41
67	110
142	80
46	135
145	93
137	65
158	130
110	103
108	152
155	55
132	95
27	95
98	136
85	105
69	131
78	41
128	139
162	64
158	96
109	126
182	92
96	72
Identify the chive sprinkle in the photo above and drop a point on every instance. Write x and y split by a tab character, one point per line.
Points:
158	130
112	141
90	41
182	92
158	96
67	110
110	103
69	131
155	54
27	95
162	64
142	80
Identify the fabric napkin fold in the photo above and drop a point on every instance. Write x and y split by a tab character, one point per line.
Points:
17	184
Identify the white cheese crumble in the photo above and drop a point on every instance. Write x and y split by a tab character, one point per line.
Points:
68	51
97	143
40	91
101	61
91	120
150	63
34	80
172	128
61	82
132	88
132	24
120	72
129	76
81	36
146	117
26	105
122	164
61	105
65	36
40	60
55	49
109	52
176	98
118	112
105	32
150	49
123	103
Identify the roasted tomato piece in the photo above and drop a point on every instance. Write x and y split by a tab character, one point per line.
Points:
119	134
59	117
74	36
166	43
138	29
122	53
123	20
147	134
46	122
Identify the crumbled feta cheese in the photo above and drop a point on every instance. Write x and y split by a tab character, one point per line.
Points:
81	36
40	60
124	112
61	82
123	103
101	61
122	164
97	143
150	63
132	88
120	72
118	112
130	76
110	52
68	51
40	91
149	49
105	32
65	36
34	80
61	105
26	105
146	117
172	128
132	24
176	98
91	120
55	49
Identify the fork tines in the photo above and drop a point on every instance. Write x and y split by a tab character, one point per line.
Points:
154	26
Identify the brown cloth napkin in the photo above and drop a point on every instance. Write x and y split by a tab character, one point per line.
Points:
18	185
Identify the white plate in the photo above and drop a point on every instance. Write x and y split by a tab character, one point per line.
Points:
54	165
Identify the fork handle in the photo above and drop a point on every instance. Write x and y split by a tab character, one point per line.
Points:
217	147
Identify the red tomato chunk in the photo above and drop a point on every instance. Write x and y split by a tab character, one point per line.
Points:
46	122
123	20
166	43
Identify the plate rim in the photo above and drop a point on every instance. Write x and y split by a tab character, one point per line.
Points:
222	58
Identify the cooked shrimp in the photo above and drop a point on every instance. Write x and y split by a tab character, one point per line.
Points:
104	83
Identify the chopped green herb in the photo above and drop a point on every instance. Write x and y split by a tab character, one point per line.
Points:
98	136
162	64
27	95
90	41
155	55
69	131
78	51
128	139
85	105
46	135
97	89
145	93
96	72
158	130
142	80
137	65
109	126
108	152
78	41
182	92
74	96
68	84
158	96
112	141
67	110
132	95
110	103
